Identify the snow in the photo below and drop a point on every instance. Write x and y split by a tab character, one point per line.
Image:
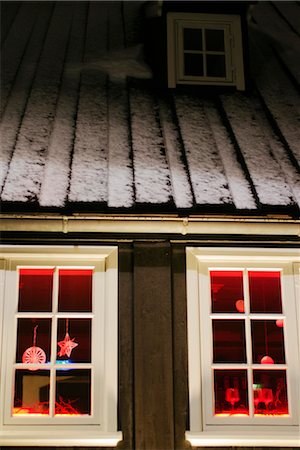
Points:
28	161
205	166
183	195
244	114
238	184
151	171
55	181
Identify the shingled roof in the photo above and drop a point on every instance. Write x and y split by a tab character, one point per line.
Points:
85	129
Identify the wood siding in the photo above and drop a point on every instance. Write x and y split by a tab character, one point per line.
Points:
153	392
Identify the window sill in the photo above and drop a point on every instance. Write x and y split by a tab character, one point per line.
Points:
253	439
22	439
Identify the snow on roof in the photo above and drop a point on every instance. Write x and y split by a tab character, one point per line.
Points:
84	127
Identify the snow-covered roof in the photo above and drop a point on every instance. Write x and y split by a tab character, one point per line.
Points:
85	129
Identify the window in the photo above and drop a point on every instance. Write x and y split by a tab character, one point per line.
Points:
59	348
205	49
243	346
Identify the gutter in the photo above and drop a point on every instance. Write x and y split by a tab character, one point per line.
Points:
150	224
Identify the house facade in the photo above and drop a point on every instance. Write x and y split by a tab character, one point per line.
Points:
150	262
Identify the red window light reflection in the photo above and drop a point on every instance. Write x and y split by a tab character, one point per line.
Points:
35	290
231	394
227	291
265	292
75	290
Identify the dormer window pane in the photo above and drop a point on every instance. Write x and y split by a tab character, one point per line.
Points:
193	64
216	66
192	39
214	40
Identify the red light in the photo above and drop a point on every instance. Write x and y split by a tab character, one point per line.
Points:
35	272
240	306
267	360
75	272
279	323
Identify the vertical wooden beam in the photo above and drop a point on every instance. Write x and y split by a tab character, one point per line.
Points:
180	346
153	365
126	416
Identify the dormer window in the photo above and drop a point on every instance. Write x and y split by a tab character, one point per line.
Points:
205	49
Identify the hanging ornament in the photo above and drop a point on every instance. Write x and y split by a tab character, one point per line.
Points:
240	306
279	323
67	345
267	360
34	354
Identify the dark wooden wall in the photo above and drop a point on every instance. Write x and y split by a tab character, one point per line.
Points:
153	393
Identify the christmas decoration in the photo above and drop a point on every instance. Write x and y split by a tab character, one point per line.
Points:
232	396
279	323
34	354
267	360
67	345
240	306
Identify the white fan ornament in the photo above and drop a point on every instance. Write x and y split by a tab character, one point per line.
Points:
34	354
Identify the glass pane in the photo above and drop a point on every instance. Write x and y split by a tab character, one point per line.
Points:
33	341
227	291
229	341
270	392
231	393
216	66
267	342
35	290
193	65
192	39
73	392
214	40
74	340
265	292
75	290
31	392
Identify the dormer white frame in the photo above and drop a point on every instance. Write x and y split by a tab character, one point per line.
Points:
230	24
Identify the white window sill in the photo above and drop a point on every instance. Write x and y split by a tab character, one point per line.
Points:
22	439
252	439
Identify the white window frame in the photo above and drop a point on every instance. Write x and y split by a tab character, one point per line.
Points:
99	428
230	24
205	429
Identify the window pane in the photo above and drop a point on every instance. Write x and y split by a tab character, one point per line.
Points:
216	66
75	290
227	291
267	340
74	340
33	341
214	40
192	39
231	393
73	392
229	341
265	292
193	65
31	392
270	392
35	290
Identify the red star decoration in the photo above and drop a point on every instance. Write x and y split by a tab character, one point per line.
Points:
66	346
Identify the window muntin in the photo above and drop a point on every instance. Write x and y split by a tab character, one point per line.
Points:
258	348
92	367
258	384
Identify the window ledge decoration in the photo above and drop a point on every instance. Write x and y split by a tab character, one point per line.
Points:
243	345
59	349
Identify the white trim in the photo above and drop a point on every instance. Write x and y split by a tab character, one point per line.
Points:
204	428
101	425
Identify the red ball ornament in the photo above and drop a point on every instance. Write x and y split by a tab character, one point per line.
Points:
267	360
279	323
240	306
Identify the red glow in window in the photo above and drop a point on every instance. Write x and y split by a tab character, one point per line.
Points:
35	290
31	392
231	394
265	292
270	392
73	392
229	341
267	340
75	290
227	291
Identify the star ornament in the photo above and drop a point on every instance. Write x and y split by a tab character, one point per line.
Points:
66	346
